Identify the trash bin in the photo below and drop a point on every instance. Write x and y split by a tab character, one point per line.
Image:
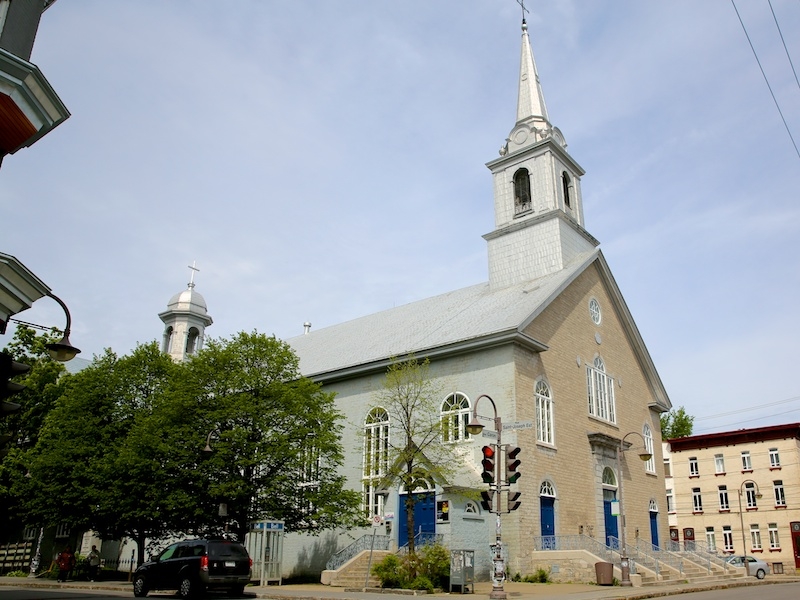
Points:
604	572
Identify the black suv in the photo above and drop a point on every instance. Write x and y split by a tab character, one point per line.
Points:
193	566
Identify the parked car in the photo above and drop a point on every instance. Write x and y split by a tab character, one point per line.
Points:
755	567
193	566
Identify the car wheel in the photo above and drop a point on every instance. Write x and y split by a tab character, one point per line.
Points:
188	588
760	573
139	586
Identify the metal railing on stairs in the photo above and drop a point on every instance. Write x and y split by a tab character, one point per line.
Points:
365	542
699	554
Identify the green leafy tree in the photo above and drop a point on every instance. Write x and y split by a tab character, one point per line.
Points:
676	423
275	437
416	457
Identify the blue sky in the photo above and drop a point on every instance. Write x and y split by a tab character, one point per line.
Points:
321	161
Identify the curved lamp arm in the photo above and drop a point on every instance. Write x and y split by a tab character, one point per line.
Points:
62	350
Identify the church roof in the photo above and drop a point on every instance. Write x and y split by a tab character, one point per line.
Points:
475	315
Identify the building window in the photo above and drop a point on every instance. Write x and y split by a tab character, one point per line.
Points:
750	495
594	311
755	537
780	496
697	500
650	463
670	501
694	469
376	451
522	191
727	538
169	336
29	534
62	530
455	416
723	498
774	543
601	392
719	464
711	539
544	413
667	467
192	339
747	464
774	459
566	183
471	508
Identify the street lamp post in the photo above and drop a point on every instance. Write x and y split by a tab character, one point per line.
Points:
474	427
62	350
758	496
645	455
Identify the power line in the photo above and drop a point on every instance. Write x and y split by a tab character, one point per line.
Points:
741	410
784	43
774	99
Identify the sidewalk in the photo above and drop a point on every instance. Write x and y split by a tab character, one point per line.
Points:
515	591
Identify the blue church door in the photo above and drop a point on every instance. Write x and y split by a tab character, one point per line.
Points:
610	520
654	528
547	519
424	517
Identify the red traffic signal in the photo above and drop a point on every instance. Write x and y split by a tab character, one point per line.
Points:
488	464
512	464
513	501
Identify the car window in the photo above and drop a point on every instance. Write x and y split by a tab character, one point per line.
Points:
226	549
169	552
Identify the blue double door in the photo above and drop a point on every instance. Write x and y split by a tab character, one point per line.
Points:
424	506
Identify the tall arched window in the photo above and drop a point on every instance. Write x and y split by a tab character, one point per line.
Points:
169	335
566	183
375	460
191	340
455	416
600	389
545	431
647	434
522	191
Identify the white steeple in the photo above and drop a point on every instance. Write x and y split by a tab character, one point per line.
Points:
185	322
537	195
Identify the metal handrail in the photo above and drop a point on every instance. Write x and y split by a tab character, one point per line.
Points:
422	539
699	553
659	556
365	542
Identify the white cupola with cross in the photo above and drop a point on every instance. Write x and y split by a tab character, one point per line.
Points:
185	322
537	192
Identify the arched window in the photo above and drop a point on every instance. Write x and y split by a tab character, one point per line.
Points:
455	416
522	191
471	508
169	335
566	182
600	389
547	489
653	506
609	479
647	434
191	340
545	432
376	452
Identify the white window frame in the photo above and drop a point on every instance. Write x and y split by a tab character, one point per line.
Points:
755	537
774	458
600	391
747	461
750	495
719	464
545	429
780	493
711	539
375	460
774	541
650	463
697	500
455	416
694	467
670	501
62	530
727	538
724	500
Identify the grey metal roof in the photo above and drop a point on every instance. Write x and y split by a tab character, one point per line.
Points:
470	313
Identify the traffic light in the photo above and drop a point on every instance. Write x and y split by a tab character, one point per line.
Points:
488	464
513	501
512	464
10	368
486	501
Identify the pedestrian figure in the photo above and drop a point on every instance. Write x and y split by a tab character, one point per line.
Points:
94	563
66	562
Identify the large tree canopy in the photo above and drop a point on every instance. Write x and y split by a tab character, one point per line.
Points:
676	423
123	453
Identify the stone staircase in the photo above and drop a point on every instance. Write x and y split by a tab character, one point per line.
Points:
353	574
692	573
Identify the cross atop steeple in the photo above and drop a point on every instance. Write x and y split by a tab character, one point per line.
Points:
194	269
524	10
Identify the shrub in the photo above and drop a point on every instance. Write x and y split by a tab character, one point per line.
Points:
434	564
16	574
430	566
389	571
421	583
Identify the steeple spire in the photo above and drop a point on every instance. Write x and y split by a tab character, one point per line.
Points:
530	101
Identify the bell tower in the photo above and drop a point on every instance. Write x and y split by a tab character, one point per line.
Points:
185	322
537	192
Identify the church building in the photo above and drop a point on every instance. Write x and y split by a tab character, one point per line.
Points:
549	339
